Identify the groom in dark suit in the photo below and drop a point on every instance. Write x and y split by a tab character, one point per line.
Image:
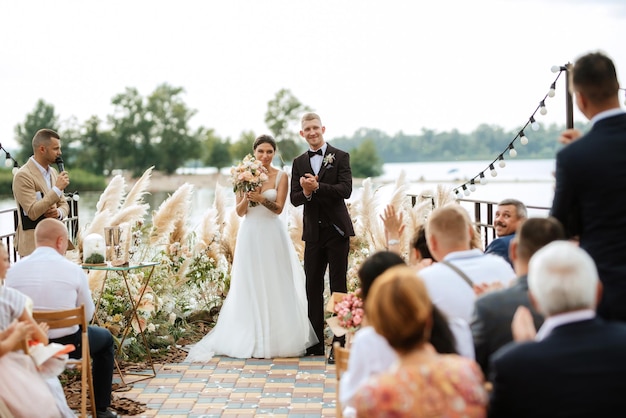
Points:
321	180
590	193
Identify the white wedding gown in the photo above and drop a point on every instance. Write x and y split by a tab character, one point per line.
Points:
265	312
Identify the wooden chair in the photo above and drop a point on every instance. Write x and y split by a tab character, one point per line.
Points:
67	318
341	365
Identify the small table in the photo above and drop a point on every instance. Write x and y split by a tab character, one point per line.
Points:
134	303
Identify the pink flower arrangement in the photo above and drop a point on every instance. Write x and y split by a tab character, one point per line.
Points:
248	175
350	311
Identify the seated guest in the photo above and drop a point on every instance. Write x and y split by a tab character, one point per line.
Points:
509	214
17	307
493	312
23	390
54	283
451	280
576	365
370	353
423	383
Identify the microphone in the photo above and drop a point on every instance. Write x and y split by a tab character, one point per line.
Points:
60	165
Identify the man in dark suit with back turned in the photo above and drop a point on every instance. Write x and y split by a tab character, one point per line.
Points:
590	193
321	180
575	366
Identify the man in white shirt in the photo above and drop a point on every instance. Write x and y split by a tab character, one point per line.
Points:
450	281
575	366
55	283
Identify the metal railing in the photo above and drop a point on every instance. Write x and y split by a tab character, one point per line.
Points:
9	239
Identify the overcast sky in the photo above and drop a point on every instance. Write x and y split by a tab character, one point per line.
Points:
394	65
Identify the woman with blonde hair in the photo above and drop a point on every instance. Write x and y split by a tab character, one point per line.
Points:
423	383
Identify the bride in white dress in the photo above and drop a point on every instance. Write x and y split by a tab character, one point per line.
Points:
265	312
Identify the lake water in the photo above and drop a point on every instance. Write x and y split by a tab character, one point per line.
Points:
530	181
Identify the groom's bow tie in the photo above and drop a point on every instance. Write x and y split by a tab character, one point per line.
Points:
312	153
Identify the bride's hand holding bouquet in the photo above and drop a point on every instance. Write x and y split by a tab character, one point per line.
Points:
248	176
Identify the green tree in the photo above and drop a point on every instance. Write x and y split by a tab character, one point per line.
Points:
243	146
131	132
96	150
42	116
216	151
282	118
171	140
365	161
153	131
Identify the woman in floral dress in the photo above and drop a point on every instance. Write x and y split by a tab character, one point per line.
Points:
423	383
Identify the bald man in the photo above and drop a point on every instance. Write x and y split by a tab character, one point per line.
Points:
55	283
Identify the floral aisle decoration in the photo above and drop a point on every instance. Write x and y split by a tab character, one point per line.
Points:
192	273
248	175
210	278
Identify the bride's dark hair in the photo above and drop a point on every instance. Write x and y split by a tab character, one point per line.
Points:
264	139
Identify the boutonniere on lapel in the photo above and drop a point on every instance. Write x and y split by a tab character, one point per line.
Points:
328	160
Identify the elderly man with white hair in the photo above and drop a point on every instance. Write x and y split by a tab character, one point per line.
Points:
575	366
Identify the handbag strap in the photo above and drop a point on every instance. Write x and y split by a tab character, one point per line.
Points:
459	272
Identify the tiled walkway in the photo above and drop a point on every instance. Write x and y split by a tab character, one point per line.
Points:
287	387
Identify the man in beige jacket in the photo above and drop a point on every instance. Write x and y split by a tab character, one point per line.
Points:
38	189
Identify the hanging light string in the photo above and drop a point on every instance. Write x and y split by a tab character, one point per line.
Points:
470	186
9	161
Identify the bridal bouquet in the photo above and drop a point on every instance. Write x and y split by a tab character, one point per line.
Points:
248	175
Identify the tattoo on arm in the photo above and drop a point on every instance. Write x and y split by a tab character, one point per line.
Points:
270	205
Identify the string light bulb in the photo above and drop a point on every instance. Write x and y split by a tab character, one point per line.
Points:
502	164
8	162
542	107
472	186
523	139
459	195
493	170
483	179
15	167
466	192
552	90
534	124
555	68
512	151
